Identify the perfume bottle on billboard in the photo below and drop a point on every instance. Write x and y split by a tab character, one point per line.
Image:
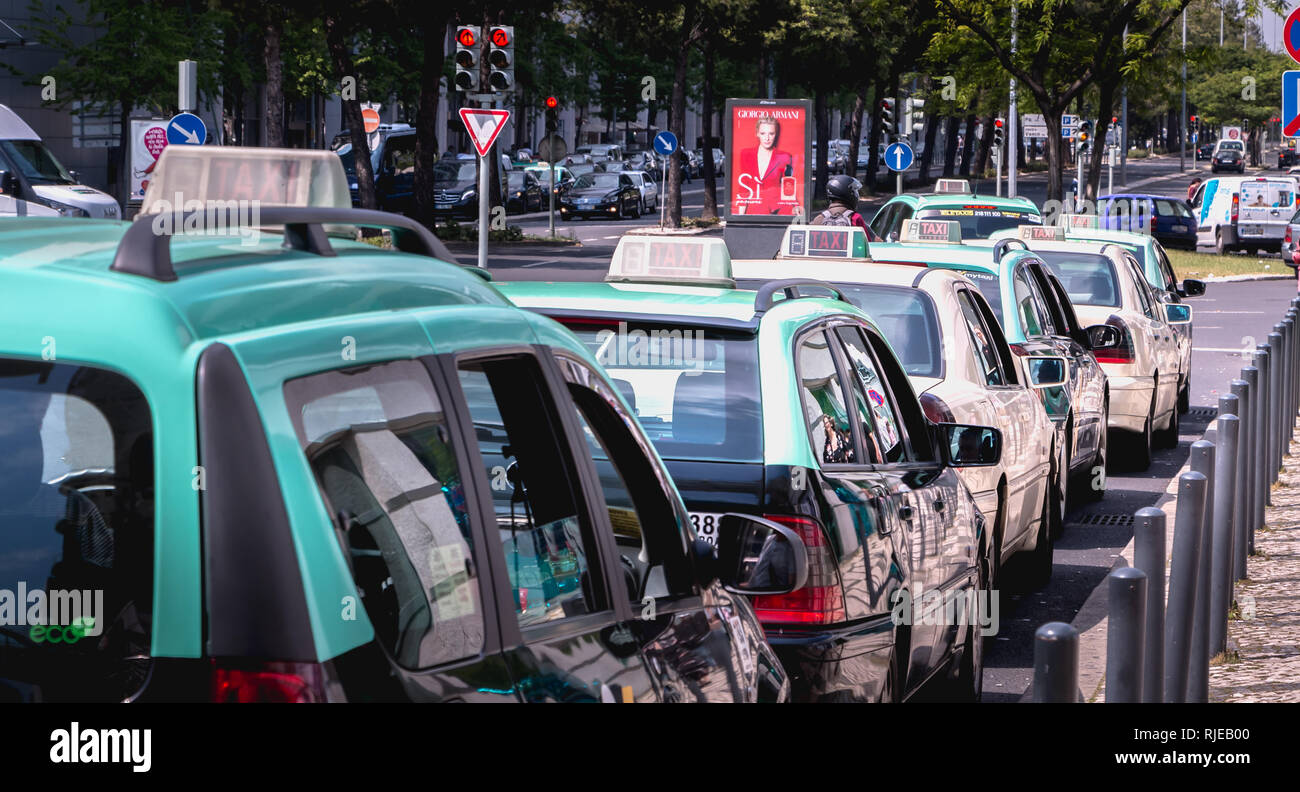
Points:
787	188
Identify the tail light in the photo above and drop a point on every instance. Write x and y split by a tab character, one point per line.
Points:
277	683
1288	234
1153	224
1236	204
936	409
1122	353
821	600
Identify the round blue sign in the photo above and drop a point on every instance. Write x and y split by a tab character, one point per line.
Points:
665	143
186	129
899	156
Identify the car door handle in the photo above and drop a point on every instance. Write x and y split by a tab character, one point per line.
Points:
905	512
938	504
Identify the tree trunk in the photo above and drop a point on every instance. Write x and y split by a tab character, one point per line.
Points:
1055	162
710	211
426	119
986	145
931	129
968	144
855	130
763	66
677	120
336	38
820	170
1106	103
950	145
123	162
873	142
273	96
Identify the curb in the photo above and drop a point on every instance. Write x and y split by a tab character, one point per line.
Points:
657	231
1240	278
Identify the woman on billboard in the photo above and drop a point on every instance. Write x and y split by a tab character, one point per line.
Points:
766	174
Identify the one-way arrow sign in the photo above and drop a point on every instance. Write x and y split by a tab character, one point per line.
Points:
484	126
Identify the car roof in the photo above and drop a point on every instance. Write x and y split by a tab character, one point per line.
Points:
966	255
648	300
13	127
929	200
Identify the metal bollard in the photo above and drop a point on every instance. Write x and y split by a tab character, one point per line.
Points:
1246	452
1292	322
1056	664
1263	359
1226	475
1198	662
1149	556
1127	601
1278	363
1183	568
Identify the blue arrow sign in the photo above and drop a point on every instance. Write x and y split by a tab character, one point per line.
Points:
1291	103
665	143
899	156
186	129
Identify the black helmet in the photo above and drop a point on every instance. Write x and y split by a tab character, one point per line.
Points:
844	189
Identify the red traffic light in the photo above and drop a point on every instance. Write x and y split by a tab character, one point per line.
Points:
500	37
997	122
552	102
1115	120
1193	119
465	38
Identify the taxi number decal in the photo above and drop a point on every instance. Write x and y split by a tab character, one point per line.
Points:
706	526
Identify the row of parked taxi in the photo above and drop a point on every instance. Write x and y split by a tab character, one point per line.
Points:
301	468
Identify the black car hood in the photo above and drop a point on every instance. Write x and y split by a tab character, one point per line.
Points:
589	192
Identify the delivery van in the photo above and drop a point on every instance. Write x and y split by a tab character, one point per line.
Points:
33	182
1243	212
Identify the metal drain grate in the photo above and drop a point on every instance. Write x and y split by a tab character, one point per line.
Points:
1203	412
1105	519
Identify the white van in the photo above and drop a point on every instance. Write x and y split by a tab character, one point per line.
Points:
1243	212
33	182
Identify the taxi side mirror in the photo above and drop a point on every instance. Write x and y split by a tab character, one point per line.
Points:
1103	336
1191	288
1046	372
963	445
756	556
1178	314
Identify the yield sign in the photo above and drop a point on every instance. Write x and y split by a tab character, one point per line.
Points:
484	126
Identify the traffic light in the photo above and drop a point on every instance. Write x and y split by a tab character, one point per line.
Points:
887	122
1085	136
552	110
501	57
913	115
1193	119
467	44
998	132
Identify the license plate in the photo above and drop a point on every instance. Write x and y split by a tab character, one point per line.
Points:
1251	230
1178	229
706	525
442	206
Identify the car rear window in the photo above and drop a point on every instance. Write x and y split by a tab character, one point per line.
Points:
980	221
695	390
1088	278
76	533
907	320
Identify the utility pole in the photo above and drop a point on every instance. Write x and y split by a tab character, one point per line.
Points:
1182	121
1013	116
1221	2
1123	127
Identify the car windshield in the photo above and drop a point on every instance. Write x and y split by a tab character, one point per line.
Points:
516	179
1088	278
452	170
582	168
694	390
35	162
981	222
1232	145
603	181
907	320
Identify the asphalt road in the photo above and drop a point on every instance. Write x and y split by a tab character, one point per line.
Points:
1227	318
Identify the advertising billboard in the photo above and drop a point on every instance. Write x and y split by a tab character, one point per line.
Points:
768	159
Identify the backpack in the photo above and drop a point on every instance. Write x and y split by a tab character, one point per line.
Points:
829	218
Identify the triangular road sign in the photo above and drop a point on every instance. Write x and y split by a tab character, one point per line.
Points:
484	126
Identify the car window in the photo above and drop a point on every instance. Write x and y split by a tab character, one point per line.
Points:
602	181
1050	299
825	408
882	219
1088	278
1166	269
695	390
1168	208
982	343
77	527
399	155
1140	285
980	221
539	521
874	409
1027	307
378	443
908	320
1040	301
1198	197
916	430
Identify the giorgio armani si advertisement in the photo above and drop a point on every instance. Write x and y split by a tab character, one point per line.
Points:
768	159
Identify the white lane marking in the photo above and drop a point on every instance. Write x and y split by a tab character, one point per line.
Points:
615	236
1233	312
540	263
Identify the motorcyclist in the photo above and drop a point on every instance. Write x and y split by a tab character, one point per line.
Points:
843	191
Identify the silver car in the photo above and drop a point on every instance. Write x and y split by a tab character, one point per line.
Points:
649	191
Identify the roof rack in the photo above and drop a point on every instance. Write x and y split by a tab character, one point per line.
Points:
790	288
146	250
1000	247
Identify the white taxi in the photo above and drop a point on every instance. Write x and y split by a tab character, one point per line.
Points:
953	351
1144	373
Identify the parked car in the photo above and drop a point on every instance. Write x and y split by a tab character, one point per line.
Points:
1244	213
648	189
602	195
1229	155
1169	220
524	193
600	151
1204	151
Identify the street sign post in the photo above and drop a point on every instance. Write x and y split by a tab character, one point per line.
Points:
898	158
1291	103
186	129
483	126
665	143
1291	35
552	150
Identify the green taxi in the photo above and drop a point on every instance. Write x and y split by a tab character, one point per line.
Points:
980	216
280	466
786	402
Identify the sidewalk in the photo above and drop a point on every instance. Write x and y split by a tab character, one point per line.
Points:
1266	667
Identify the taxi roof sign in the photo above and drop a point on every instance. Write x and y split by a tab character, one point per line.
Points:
818	241
688	262
953	186
1041	233
946	232
1078	220
270	176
